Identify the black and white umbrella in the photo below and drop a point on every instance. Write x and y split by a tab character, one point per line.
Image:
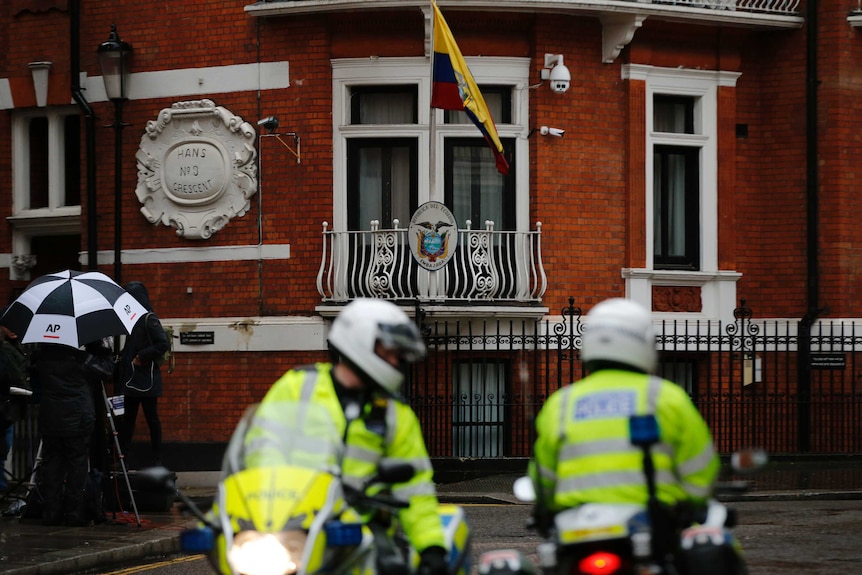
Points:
72	308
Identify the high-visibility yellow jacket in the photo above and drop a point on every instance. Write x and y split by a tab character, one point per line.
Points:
399	439
583	452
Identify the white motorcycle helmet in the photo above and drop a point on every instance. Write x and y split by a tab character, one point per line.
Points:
620	331
360	325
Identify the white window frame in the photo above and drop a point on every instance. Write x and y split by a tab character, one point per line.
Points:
718	287
349	72
55	219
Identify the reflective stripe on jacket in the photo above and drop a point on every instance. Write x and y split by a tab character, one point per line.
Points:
402	441
583	452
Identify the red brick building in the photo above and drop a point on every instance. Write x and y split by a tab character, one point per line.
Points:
708	156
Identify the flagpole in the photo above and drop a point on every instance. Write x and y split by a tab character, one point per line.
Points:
432	124
432	137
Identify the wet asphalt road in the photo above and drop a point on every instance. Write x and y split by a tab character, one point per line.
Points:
811	537
803	537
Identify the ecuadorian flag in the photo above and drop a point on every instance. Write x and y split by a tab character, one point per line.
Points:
455	89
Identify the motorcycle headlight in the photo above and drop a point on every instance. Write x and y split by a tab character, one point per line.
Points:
256	553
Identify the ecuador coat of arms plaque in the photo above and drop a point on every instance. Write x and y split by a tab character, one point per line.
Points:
433	235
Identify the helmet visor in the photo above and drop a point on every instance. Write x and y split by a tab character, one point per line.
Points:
403	337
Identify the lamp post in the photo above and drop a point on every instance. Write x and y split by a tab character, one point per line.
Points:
113	58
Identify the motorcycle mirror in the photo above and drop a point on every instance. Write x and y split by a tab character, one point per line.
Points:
749	460
524	490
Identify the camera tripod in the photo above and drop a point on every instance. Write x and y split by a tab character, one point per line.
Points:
109	408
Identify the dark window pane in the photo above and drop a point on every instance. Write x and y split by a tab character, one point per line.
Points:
673	114
474	189
676	194
680	371
55	253
38	163
382	181
72	148
384	105
499	102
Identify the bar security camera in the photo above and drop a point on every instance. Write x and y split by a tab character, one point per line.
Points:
270	123
557	132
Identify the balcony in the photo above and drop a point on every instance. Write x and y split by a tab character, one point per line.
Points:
620	19
765	14
503	268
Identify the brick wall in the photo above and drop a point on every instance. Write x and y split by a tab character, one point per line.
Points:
587	189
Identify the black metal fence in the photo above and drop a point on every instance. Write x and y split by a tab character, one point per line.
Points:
788	386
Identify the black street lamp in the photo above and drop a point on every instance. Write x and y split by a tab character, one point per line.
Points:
113	58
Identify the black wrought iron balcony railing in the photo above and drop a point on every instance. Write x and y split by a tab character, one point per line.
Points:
487	265
786	7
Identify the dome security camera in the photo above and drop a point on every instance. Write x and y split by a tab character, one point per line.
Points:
555	71
560	79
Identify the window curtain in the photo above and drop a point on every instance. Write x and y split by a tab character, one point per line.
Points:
479	413
477	187
670	202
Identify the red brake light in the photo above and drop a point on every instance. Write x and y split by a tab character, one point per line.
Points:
601	563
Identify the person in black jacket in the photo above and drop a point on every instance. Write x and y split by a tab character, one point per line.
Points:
66	421
139	376
14	393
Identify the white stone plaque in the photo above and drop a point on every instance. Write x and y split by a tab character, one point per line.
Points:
196	168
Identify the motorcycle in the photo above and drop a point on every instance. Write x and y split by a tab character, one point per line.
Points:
633	539
283	506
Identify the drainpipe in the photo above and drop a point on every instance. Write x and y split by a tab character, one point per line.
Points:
813	221
260	306
90	131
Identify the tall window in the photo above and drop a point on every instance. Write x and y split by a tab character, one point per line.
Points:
479	411
676	187
47	160
46	188
681	198
383	148
382	174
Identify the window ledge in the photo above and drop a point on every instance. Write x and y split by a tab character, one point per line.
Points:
718	291
671	277
57	221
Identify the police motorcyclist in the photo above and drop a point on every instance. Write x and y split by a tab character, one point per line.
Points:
583	451
372	342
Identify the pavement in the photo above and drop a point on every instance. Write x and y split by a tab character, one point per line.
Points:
29	548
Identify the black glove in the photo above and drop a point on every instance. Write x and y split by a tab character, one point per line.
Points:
432	561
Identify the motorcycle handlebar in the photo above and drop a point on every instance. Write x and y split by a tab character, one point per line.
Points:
386	502
358	498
